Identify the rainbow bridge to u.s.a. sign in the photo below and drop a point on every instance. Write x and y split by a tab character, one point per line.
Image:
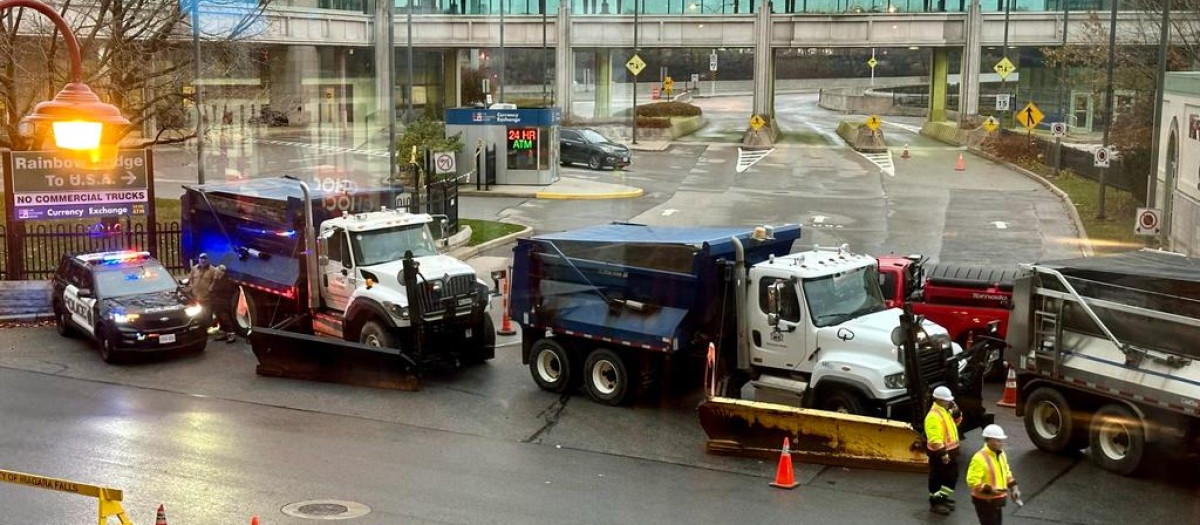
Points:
49	185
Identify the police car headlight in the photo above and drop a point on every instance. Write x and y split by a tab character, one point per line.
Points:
124	318
193	310
895	381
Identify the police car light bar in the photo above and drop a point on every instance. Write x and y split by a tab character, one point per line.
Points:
114	257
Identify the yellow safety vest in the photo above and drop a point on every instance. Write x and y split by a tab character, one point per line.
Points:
989	468
940	430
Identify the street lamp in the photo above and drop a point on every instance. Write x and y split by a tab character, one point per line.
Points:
76	115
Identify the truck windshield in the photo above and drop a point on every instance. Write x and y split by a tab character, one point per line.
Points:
389	244
134	280
837	298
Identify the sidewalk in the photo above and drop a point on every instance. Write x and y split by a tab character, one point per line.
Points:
567	188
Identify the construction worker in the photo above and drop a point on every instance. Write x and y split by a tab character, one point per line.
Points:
201	281
990	479
941	439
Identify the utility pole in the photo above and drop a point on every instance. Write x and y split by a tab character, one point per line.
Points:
637	7
408	107
390	96
1163	42
1004	53
545	69
503	61
196	92
1108	100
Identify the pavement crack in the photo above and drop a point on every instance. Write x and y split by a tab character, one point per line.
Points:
551	415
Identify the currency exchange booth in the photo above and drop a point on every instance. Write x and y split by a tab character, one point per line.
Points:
519	146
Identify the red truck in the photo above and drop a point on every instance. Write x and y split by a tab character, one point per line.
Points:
971	302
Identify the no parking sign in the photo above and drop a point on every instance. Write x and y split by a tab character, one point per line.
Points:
1148	221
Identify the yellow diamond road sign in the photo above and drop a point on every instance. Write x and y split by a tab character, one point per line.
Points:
635	65
872	63
1004	68
990	124
668	83
1030	116
873	122
757	122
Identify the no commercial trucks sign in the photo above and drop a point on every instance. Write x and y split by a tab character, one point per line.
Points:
51	185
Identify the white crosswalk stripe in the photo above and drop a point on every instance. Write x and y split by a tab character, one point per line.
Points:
883	160
336	149
747	158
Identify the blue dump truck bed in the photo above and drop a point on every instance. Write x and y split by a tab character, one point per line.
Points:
255	227
649	287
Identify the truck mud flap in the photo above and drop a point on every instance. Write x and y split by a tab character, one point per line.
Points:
749	428
301	356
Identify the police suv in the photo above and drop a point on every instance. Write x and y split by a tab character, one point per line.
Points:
127	302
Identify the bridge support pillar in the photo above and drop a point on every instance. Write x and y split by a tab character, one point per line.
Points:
564	60
452	64
764	82
968	85
603	84
939	73
300	63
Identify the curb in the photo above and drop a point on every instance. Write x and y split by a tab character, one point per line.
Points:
471	251
32	318
498	193
1086	244
553	195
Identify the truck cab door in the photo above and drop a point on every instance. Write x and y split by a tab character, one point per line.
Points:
338	280
778	332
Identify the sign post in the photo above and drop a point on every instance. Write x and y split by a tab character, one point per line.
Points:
712	68
635	65
1059	130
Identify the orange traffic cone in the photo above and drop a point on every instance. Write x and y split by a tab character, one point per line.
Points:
506	327
161	519
961	165
254	520
1009	399
905	154
784	477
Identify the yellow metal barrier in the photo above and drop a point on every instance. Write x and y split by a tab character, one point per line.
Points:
110	499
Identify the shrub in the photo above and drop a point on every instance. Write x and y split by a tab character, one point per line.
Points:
668	109
1015	148
653	123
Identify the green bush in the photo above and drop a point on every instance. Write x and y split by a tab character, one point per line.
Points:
668	109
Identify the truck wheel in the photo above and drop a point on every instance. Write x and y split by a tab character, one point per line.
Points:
606	378
1117	439
376	335
551	366
844	401
1051	422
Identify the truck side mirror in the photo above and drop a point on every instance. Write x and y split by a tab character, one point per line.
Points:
323	260
898	336
773	293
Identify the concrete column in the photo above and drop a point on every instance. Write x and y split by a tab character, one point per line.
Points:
299	62
383	77
968	85
564	60
603	84
764	58
939	73
452	64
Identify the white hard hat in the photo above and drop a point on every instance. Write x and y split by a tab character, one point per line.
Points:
942	393
994	432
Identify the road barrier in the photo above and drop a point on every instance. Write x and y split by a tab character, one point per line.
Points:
110	499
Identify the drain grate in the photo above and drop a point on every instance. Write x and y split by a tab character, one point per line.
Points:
326	509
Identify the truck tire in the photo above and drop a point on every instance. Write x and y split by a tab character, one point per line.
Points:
842	400
375	334
606	378
551	367
1117	439
1052	424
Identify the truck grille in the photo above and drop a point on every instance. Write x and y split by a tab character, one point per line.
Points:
933	365
457	287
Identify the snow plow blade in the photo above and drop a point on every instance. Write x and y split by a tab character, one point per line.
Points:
301	356
749	428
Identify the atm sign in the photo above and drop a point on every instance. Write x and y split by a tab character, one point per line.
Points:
523	139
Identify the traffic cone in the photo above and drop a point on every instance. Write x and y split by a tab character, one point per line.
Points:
161	519
1009	400
506	327
254	520
905	155
784	477
961	165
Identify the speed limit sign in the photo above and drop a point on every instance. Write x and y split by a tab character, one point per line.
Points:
1148	221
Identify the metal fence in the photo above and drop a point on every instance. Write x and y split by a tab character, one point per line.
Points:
41	246
1083	163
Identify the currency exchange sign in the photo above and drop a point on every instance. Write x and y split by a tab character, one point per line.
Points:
51	185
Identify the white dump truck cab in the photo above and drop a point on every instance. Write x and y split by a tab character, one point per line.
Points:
820	335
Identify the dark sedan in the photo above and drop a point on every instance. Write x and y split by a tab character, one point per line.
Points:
588	146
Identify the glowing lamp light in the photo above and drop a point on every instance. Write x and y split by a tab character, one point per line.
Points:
77	134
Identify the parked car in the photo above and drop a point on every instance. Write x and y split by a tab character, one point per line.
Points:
127	302
588	146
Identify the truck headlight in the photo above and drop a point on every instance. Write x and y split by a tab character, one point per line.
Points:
124	318
895	381
193	310
397	310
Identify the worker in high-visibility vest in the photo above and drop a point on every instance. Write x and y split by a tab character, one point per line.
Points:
941	440
990	479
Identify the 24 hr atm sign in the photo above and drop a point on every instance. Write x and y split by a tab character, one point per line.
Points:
49	185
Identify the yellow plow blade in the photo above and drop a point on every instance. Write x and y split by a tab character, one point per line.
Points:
750	428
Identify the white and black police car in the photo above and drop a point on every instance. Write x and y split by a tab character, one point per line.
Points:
127	302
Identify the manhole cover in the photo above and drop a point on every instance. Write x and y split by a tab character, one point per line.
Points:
326	509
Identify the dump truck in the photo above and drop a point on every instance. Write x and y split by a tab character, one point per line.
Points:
971	302
334	285
612	306
1105	350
